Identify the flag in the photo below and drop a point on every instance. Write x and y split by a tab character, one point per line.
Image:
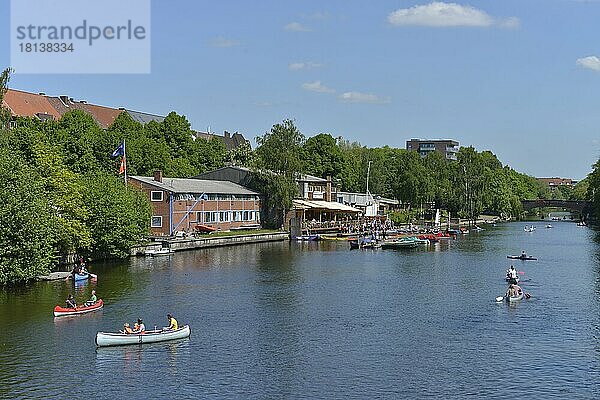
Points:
120	151
123	165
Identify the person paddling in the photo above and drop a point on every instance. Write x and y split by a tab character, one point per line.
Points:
511	275
70	302
140	327
92	299
173	325
126	328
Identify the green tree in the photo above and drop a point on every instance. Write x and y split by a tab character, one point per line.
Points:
4	113
322	156
27	240
280	150
121	215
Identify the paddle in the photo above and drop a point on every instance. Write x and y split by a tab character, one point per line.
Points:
499	299
93	276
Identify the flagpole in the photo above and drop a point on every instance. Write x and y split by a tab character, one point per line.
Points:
125	163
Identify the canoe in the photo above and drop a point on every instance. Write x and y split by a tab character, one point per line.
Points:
81	277
521	258
63	311
511	299
399	244
204	228
122	339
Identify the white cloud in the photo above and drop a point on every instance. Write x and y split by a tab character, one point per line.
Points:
439	14
590	62
296	27
223	42
357	97
316	86
303	65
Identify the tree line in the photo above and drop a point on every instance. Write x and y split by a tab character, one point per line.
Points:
61	193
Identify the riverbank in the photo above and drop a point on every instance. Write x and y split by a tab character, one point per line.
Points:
192	243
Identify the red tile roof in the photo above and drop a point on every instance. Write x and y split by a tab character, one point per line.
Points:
104	116
24	104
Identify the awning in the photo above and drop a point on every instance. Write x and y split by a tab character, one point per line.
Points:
324	206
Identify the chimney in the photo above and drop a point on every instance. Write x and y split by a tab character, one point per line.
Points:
64	99
122	108
82	101
227	134
42	93
158	176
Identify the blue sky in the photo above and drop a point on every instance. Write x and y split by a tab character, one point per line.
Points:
520	78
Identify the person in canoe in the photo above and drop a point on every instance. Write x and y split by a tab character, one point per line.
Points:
126	328
523	254
511	275
173	325
70	302
92	299
139	327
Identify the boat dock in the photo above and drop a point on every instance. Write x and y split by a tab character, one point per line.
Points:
181	244
54	276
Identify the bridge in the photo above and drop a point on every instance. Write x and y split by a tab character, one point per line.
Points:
581	206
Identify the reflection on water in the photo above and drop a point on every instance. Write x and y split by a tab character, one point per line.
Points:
316	320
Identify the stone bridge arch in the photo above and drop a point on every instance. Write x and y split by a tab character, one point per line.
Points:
581	206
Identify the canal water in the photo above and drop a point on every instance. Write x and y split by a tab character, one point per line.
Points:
316	320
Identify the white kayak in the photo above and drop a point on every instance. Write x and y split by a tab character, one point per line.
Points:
122	339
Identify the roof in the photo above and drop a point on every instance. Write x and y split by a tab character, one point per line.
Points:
323	205
24	104
144	118
362	199
231	141
310	178
104	116
181	185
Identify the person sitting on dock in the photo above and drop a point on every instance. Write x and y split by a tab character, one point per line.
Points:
140	327
173	325
126	328
92	299
71	302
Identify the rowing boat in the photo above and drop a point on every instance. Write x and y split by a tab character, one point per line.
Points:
121	339
63	311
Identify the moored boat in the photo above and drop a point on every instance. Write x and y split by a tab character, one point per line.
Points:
399	244
104	339
165	251
63	311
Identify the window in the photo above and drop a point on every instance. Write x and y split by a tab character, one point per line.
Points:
199	216
156	195
156	221
207	217
245	218
224	216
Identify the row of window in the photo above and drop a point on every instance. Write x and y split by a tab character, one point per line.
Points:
226	216
158	196
214	216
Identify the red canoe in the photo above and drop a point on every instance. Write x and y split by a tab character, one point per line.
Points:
205	228
62	311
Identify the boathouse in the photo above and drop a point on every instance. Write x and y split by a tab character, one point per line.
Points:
198	205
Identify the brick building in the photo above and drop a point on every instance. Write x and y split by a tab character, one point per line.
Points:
190	205
448	148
